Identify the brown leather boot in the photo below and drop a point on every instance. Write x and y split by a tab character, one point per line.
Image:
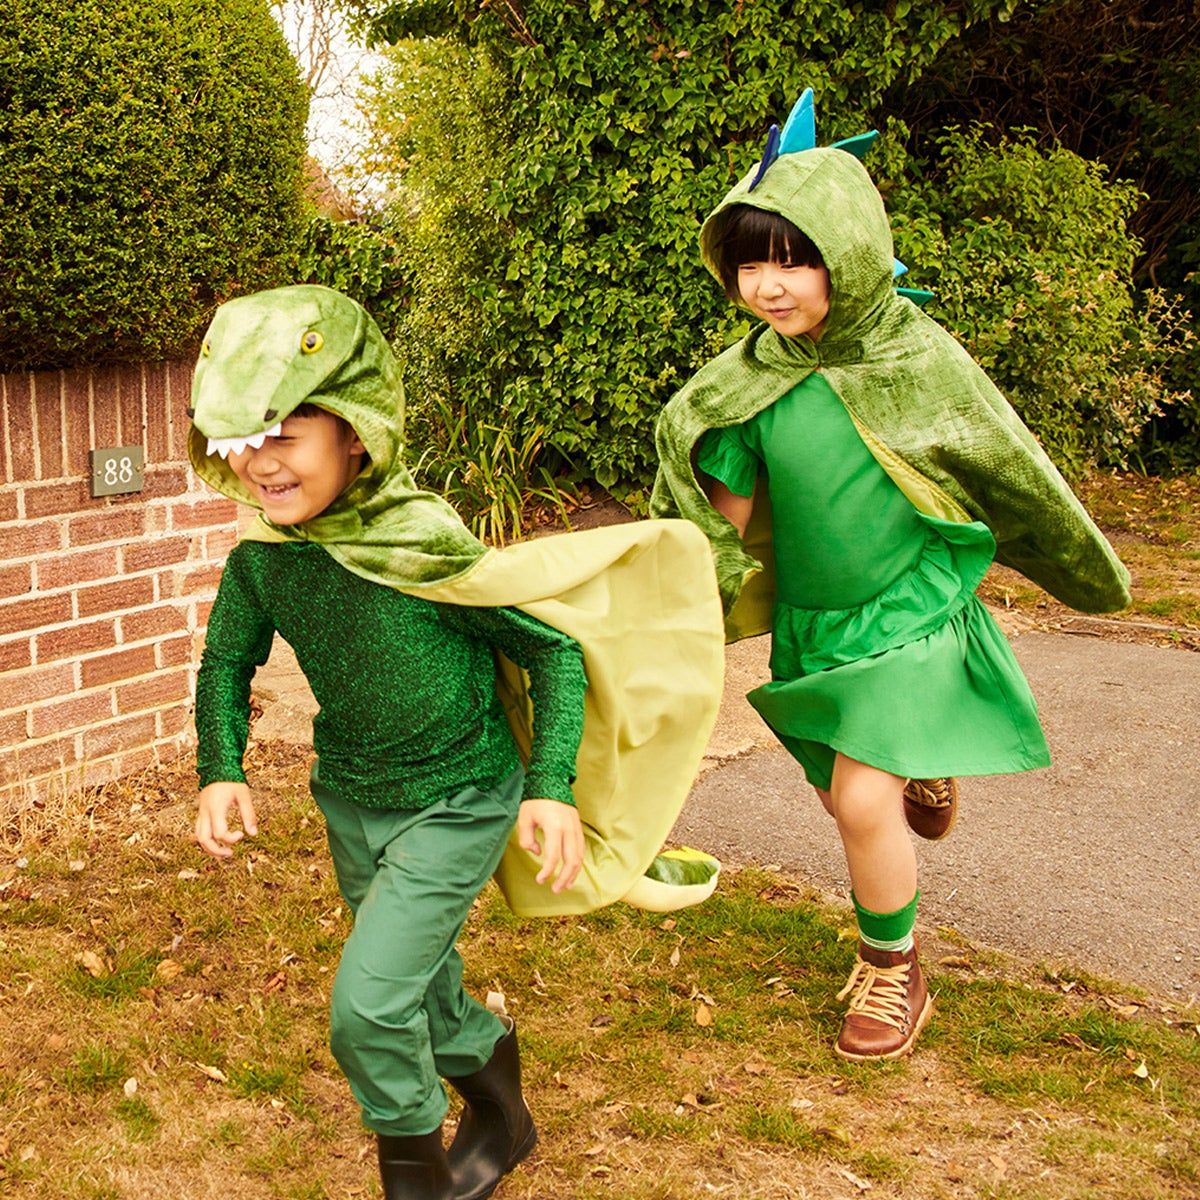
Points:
931	807
889	1006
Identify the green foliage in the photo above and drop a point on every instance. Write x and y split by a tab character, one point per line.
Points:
1030	258
150	166
557	168
360	260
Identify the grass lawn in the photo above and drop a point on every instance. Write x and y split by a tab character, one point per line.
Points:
163	1034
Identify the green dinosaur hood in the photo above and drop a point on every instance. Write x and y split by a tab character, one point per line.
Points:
266	354
924	408
826	193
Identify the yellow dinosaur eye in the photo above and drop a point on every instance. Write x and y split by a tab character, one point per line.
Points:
311	342
206	348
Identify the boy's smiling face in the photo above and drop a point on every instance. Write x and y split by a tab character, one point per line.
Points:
792	299
299	474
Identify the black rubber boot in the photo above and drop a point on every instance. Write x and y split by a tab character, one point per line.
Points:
496	1129
415	1168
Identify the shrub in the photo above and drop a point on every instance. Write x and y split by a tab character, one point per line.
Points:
1031	262
567	294
150	166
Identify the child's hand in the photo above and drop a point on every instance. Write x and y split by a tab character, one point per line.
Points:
212	819
562	839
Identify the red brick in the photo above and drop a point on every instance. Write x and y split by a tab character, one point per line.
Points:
157	552
120	664
27	539
129	734
217	545
75	713
20	615
174	721
18	392
158	416
164	482
76	640
133	761
29	760
166	687
16	655
48	404
204	579
14	729
8	503
17	580
154	622
204	513
130	409
179	377
77	406
68	570
175	652
54	499
113	524
18	689
111	597
106	391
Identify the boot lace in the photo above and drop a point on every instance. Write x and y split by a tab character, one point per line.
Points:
932	793
879	992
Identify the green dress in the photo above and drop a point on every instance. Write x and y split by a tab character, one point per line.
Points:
880	648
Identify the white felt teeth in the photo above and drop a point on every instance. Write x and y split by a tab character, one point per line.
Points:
227	446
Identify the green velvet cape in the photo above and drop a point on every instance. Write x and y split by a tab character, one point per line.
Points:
924	408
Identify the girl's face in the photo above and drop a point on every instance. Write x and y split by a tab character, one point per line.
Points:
793	300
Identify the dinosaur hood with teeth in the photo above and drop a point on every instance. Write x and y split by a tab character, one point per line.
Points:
641	599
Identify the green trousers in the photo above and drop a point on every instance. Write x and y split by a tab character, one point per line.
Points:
399	1016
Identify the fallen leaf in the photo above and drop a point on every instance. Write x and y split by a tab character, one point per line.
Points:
1142	1071
213	1073
92	963
27	1153
668	924
76	864
754	1066
188	873
703	1015
592	1151
956	960
130	1087
999	1163
276	983
674	960
863	1185
167	970
1074	1040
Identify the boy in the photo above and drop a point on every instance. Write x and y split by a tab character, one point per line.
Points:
298	411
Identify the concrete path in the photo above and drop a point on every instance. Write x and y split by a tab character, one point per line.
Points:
1094	861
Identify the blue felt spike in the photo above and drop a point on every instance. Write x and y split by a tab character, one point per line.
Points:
898	268
800	129
857	145
770	154
919	296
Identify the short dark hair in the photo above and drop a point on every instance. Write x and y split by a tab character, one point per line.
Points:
750	234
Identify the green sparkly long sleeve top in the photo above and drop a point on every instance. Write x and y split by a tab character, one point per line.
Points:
409	713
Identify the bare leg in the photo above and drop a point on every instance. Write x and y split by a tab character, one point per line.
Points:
867	805
826	800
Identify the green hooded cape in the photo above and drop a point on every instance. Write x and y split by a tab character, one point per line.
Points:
640	599
927	412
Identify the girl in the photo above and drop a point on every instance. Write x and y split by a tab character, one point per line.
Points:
856	472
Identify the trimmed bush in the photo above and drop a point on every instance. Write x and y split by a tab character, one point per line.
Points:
151	159
1031	262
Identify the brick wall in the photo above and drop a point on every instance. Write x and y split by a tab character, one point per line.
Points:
103	602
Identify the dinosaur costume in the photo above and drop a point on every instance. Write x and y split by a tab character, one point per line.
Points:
633	596
918	470
429	734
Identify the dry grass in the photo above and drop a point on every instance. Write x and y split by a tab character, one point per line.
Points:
163	1024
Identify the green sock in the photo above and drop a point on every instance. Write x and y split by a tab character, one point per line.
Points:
892	931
